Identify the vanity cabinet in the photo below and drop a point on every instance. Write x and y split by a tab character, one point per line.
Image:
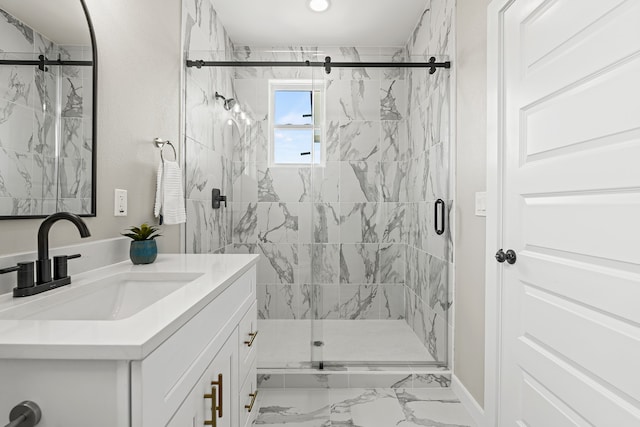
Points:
196	377
201	371
225	394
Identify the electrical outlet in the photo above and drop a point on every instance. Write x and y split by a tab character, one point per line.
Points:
120	203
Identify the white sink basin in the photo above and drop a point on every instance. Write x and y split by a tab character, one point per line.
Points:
112	298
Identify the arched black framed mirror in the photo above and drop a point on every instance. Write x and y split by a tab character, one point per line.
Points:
48	100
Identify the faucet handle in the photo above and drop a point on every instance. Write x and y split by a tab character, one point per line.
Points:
9	269
25	274
60	265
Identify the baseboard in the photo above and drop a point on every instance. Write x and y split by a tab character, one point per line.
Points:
470	404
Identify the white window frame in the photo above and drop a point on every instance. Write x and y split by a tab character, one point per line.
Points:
297	85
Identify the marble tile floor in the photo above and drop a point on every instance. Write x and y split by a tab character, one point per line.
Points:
287	343
360	407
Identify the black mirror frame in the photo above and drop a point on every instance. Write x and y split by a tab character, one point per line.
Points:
94	128
94	122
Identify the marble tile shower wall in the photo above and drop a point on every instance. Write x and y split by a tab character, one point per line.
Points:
429	257
345	222
208	139
30	182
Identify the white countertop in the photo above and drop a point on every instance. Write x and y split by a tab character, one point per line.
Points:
132	338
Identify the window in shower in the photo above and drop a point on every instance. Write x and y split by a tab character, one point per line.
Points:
295	123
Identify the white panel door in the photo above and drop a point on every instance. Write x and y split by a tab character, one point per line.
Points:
570	348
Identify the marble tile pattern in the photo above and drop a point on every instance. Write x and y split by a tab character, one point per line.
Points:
366	407
352	239
332	237
33	181
429	257
209	141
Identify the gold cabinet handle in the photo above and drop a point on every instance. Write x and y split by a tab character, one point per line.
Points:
253	396
253	336
219	384
214	419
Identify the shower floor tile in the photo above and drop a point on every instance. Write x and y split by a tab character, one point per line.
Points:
287	343
372	407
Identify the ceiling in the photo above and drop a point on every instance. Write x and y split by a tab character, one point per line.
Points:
61	21
363	23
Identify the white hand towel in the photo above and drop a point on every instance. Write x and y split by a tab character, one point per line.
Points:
169	194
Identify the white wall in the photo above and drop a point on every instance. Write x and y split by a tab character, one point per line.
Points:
138	99
470	64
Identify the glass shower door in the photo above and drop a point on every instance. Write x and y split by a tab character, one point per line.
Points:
352	270
273	205
380	271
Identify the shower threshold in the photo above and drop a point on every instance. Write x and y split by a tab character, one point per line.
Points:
365	343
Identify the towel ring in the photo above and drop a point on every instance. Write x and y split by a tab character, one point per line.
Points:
161	143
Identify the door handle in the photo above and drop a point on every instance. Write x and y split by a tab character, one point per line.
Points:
509	256
439	216
253	397
214	418
253	336
219	384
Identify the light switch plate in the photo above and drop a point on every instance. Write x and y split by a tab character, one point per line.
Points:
120	202
481	204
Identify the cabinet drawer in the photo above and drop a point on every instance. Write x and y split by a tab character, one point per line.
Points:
248	340
248	397
162	380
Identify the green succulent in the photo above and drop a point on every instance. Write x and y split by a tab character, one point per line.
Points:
144	232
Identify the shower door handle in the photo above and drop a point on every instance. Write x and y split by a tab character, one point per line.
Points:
439	216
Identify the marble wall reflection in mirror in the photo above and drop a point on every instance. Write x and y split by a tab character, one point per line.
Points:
47	109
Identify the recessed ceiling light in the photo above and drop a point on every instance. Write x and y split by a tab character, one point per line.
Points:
319	5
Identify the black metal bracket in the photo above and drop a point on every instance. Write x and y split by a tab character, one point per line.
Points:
327	64
433	65
42	66
198	63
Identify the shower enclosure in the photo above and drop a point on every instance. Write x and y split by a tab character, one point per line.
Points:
335	164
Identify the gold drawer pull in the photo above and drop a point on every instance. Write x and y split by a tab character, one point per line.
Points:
253	396
214	419
253	336
219	384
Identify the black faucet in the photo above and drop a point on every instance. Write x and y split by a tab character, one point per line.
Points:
43	264
44	281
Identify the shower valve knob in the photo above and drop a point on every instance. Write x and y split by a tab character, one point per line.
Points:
216	198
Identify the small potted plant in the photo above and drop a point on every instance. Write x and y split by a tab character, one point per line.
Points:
143	248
